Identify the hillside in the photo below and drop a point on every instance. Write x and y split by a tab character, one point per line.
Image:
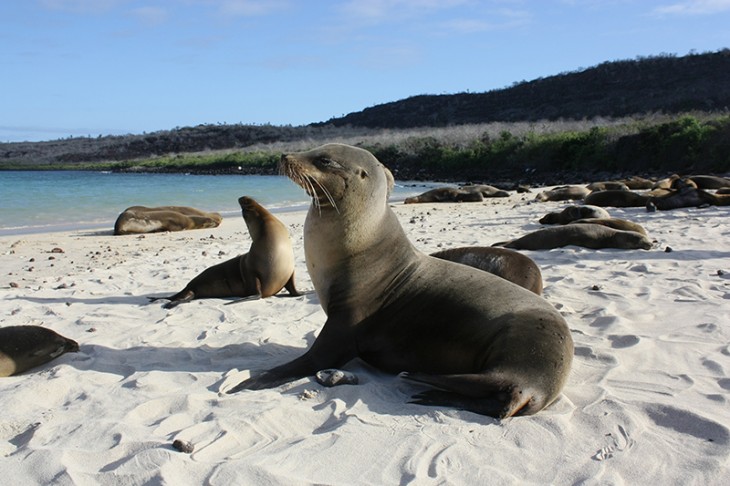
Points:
664	84
610	94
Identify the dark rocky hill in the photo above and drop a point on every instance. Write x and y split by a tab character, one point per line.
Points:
664	83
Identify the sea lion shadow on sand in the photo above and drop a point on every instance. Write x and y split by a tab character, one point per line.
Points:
139	300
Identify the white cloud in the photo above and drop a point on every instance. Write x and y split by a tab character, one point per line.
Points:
695	7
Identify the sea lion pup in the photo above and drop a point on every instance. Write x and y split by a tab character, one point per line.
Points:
445	194
485	190
25	347
488	345
508	264
262	272
615	223
140	219
571	213
563	193
595	236
617	199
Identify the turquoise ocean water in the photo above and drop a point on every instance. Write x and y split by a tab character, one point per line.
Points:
46	201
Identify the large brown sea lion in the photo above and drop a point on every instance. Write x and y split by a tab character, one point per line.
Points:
508	264
485	190
595	236
140	219
25	347
488	345
262	272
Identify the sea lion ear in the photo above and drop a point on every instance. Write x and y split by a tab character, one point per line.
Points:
389	177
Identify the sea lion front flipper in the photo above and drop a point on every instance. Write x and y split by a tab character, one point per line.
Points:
332	349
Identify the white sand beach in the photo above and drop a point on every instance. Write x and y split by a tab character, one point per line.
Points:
646	401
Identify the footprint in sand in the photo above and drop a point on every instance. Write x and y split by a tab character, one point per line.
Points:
619	342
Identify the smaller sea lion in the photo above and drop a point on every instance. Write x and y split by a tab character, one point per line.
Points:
607	186
563	193
595	236
262	272
571	213
615	223
140	219
508	264
25	347
617	199
445	194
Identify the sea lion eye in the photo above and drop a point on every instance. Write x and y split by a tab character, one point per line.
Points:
328	163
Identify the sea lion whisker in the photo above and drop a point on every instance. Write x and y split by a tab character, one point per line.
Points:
327	194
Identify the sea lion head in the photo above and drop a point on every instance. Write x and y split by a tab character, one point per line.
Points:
337	176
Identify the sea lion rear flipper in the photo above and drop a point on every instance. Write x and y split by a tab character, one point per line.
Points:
481	393
181	298
244	299
293	292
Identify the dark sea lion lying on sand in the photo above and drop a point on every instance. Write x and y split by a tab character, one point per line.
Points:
595	236
563	193
571	213
25	347
508	264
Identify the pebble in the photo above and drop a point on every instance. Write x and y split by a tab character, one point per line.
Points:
183	446
331	377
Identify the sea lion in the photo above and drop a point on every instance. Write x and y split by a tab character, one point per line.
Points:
615	223
508	264
636	182
688	197
607	186
571	213
488	345
445	194
617	199
563	193
25	347
710	182
485	190
140	219
262	272
595	236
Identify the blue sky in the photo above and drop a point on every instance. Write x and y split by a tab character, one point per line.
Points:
107	67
